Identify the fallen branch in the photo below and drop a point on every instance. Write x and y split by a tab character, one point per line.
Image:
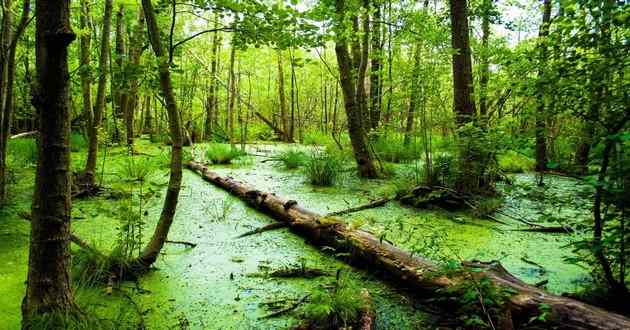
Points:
376	203
24	135
188	244
73	238
271	226
287	309
414	272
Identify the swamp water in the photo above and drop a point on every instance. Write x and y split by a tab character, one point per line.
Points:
211	287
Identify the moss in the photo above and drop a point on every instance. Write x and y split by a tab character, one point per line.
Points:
513	162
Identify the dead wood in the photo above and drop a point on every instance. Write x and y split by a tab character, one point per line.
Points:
373	204
416	273
187	244
271	226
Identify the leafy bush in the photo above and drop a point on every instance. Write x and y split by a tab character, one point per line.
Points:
323	169
218	153
292	158
513	162
392	149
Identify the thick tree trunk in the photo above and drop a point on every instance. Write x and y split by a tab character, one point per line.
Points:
414	272
48	286
99	106
463	102
7	110
153	248
348	81
284	117
541	143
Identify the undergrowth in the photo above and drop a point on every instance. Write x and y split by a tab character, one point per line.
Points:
323	169
218	153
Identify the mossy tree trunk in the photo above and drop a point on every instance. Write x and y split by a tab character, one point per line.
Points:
152	250
48	286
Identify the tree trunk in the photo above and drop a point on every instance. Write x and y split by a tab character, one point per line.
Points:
284	117
415	273
85	54
348	79
212	96
121	94
153	248
231	96
463	102
584	148
541	144
135	52
375	67
148	116
48	286
484	67
415	93
7	111
99	106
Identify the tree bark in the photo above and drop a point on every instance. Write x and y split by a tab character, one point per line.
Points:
415	273
541	143
85	43
415	93
99	106
48	286
121	93
484	66
153	248
231	96
348	80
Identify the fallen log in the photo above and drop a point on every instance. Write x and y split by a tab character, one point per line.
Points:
414	272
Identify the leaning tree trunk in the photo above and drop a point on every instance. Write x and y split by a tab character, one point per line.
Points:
7	111
347	77
414	272
99	106
48	286
153	248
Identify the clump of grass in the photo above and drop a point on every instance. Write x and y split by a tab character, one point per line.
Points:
292	159
323	169
137	168
513	162
336	307
218	153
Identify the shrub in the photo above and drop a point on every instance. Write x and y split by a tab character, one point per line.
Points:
292	158
513	162
392	149
218	153
323	169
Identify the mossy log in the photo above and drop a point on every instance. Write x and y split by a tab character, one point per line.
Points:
416	273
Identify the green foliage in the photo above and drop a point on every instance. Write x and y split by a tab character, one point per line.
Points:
390	148
292	158
323	169
22	152
137	168
336	307
77	142
487	206
513	162
218	153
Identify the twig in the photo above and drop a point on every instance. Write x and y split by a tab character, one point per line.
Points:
377	203
271	226
188	244
287	309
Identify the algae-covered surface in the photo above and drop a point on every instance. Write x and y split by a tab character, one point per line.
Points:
211	287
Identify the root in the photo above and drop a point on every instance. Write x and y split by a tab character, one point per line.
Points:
287	309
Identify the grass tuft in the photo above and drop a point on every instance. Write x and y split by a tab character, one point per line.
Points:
323	169
292	159
218	153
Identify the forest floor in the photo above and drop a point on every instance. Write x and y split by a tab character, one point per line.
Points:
211	286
